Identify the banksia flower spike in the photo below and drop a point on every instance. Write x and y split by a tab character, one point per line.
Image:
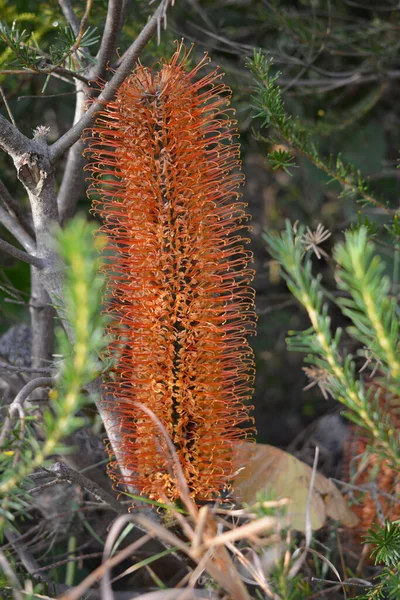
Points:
165	174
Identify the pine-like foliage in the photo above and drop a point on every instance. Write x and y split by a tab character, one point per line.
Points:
164	163
374	322
269	105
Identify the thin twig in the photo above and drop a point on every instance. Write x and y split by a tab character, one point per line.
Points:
20	214
21	255
366	487
65	473
351	581
24	369
73	135
57	72
29	562
40	96
333	83
17	405
60	563
7	106
11	223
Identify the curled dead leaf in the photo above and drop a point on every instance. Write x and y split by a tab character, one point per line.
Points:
259	467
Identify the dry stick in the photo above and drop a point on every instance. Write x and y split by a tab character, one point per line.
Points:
65	473
62	562
174	594
366	487
332	566
73	135
126	6
17	405
249	529
112	537
21	255
28	561
350	581
24	369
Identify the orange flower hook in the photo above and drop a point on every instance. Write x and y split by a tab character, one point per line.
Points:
165	181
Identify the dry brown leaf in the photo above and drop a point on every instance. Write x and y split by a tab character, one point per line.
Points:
260	467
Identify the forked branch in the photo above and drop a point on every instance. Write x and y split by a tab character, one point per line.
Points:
132	54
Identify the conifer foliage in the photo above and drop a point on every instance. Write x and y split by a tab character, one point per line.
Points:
165	160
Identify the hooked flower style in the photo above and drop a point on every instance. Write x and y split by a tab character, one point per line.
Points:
165	181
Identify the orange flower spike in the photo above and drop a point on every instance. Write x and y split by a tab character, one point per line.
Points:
165	167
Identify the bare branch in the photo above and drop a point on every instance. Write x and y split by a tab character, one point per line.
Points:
42	315
29	562
23	369
16	408
12	225
112	28
112	429
73	135
21	255
35	172
9	219
70	15
65	473
72	184
15	209
12	140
